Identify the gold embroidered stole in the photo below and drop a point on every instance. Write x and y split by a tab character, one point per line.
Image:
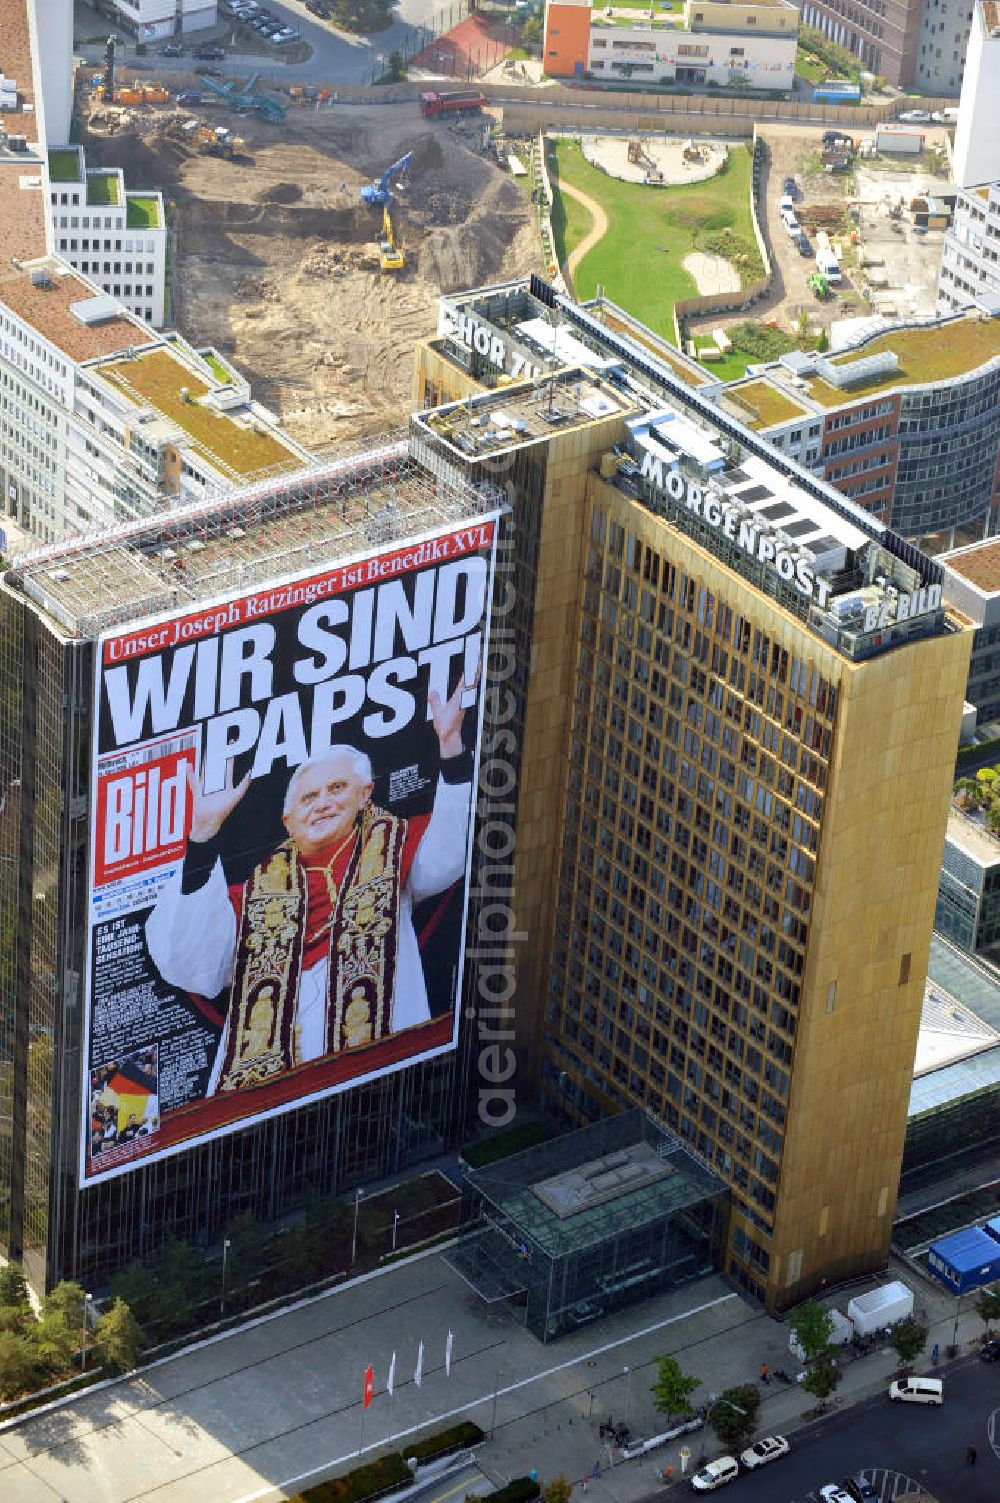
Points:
361	958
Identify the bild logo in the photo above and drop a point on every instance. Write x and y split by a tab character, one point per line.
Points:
142	810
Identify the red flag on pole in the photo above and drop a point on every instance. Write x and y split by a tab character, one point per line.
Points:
369	1384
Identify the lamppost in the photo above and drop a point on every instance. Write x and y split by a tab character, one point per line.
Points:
713	1403
395	1227
354	1237
226	1243
87	1298
628	1395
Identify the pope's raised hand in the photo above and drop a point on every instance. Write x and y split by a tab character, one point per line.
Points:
209	811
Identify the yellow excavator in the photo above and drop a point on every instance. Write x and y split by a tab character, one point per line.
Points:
390	255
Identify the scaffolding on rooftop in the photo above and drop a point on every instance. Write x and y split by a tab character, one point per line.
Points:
241	539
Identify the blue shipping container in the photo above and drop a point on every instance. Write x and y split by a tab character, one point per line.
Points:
965	1260
834	92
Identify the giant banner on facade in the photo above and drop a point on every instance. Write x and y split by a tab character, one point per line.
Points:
281	824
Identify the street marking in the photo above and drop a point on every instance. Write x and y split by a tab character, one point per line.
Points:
487	1397
991	1432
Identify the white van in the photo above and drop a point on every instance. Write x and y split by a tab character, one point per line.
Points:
792	225
787	204
917	1391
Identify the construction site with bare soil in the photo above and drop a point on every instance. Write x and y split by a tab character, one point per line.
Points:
275	258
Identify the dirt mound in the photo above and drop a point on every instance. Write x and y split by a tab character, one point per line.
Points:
280	193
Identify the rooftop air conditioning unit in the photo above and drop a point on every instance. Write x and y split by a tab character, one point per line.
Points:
40	277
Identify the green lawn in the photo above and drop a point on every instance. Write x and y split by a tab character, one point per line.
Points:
64	167
142	213
219	371
729	367
640	5
102	188
651	230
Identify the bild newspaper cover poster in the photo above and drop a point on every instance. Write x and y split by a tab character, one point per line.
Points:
281	825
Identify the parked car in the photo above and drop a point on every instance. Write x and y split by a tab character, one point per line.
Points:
917	1391
915	117
207	71
861	1490
804	244
716	1474
172	49
989	1350
763	1451
832	1493
790	186
281	38
210	54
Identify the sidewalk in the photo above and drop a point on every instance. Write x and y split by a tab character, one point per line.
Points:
723	1359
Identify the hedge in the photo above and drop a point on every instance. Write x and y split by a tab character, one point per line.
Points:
519	1490
387	1474
455	1439
384	1475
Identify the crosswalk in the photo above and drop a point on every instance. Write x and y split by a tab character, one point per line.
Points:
890	1487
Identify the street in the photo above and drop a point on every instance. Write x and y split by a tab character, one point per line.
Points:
337	56
925	1447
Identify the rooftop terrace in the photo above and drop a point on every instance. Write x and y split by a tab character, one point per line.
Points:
22	210
47	309
762	405
142	211
64	165
930	353
499	420
15	63
102	189
236	445
979	564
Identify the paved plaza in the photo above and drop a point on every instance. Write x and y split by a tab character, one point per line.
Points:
265	1410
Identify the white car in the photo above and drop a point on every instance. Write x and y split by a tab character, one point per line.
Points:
832	1493
915	117
716	1474
763	1451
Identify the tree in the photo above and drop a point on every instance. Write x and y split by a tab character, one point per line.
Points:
822	1376
822	342
18	1368
672	1388
908	1338
558	1490
733	1416
53	1341
13	1288
119	1338
68	1300
988	1305
397	66
812	1326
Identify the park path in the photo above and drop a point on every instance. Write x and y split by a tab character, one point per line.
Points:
598	231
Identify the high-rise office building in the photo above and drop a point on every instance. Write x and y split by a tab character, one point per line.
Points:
739	733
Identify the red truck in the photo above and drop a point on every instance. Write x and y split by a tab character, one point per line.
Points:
454	101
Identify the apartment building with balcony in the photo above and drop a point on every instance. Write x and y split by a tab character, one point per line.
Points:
727	43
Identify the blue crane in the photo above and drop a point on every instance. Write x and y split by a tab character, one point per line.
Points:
378	195
246	98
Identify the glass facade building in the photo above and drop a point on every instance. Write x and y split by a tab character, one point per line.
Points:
590	1223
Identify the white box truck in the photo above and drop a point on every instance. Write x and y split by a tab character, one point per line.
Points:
826	259
880	1308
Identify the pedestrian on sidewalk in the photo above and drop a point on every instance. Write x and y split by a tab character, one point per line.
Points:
971	1455
765	1376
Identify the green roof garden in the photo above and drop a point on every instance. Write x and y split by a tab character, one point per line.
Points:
935	352
142	212
166	383
64	165
767	403
102	189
